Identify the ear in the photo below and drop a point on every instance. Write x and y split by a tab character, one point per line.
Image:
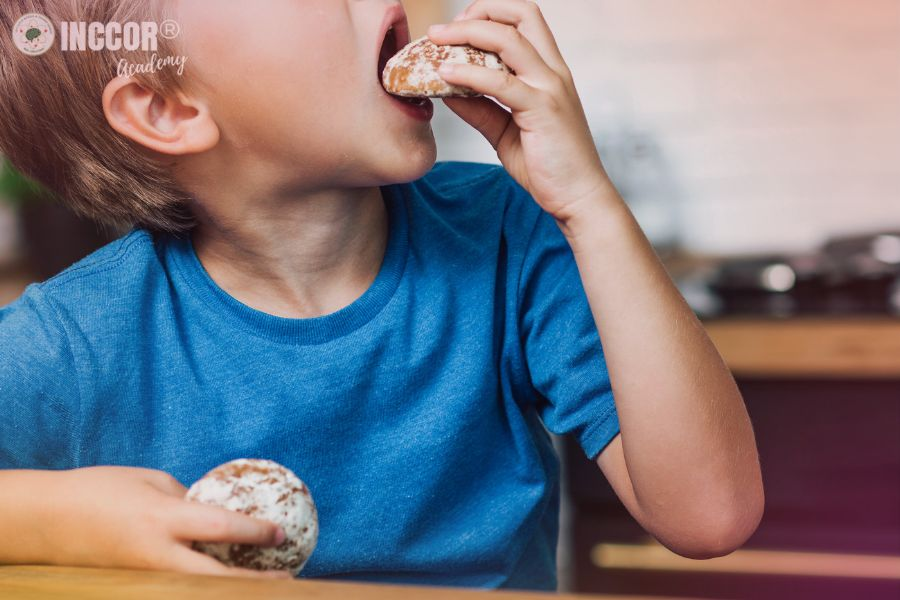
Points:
173	124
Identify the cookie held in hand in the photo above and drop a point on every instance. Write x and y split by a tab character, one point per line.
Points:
413	71
265	490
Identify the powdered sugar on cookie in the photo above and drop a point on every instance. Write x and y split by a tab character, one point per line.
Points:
413	71
266	490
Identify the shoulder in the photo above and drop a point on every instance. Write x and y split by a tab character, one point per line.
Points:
98	291
100	299
36	299
108	271
34	345
40	386
120	254
23	315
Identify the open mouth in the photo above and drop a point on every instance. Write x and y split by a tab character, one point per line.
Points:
395	39
389	47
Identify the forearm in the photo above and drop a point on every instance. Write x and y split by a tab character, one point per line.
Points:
26	515
687	439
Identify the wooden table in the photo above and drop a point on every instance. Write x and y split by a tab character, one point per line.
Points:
809	347
32	582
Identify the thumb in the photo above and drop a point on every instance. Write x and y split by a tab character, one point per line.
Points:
485	115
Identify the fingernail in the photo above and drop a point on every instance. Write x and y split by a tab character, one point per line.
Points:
436	28
446	69
280	536
460	16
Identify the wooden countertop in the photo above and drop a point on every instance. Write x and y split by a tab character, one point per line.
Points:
820	347
33	582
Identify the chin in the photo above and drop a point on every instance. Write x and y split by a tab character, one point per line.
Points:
409	164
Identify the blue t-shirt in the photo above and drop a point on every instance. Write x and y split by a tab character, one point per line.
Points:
416	415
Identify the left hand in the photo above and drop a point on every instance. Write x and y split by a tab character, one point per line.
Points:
545	142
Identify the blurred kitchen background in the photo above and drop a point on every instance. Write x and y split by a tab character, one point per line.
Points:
758	143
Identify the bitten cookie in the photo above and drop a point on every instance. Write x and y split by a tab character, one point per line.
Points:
413	71
266	490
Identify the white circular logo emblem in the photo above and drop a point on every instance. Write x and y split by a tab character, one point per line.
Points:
33	34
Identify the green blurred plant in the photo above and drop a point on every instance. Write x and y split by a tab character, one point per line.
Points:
17	189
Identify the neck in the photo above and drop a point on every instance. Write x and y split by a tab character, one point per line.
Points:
296	255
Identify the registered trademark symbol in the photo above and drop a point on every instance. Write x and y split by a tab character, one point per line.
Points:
169	29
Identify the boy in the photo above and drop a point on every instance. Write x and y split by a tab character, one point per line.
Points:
400	346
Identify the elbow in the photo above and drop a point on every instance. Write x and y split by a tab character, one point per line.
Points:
715	544
721	532
719	528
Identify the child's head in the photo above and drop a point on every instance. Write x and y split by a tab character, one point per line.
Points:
282	94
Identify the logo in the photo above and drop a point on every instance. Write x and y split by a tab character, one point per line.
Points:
169	29
33	34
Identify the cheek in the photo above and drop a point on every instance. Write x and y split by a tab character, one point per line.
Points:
273	80
291	120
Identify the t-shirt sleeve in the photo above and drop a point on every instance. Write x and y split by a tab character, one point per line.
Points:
38	390
562	348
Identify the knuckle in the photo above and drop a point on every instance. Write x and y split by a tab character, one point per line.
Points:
143	472
512	35
533	9
158	478
507	82
167	479
171	485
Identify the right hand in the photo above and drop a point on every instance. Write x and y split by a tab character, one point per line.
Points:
136	518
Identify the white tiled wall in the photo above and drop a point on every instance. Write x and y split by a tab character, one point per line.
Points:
736	125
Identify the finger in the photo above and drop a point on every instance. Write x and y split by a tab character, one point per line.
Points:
185	560
516	51
206	523
528	19
485	115
505	87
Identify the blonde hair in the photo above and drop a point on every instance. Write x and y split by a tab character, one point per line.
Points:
53	128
